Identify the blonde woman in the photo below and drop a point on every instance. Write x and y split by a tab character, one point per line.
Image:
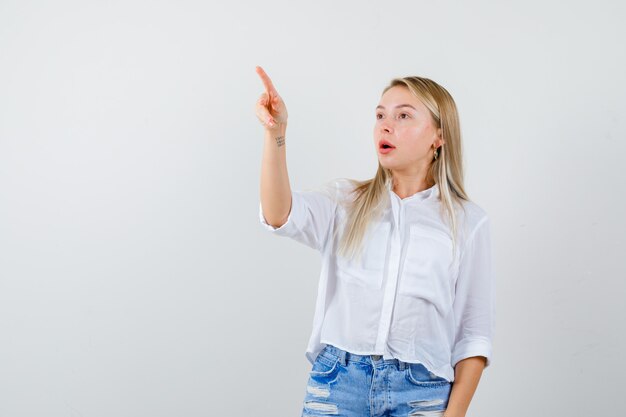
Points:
404	318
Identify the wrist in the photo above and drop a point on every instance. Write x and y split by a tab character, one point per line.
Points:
275	137
278	130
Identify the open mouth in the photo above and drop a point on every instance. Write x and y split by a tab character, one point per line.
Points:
386	145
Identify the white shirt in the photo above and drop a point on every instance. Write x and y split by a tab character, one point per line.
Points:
407	298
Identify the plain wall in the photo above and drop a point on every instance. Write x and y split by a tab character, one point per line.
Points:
135	277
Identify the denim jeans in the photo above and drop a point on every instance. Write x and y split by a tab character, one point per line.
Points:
345	384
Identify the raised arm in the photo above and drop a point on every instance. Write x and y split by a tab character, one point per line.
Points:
275	188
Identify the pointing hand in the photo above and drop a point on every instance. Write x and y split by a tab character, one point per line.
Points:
270	108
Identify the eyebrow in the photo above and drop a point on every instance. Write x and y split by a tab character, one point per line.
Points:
397	107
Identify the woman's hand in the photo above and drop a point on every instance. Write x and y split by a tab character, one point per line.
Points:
270	108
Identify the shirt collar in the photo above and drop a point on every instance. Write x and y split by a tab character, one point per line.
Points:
429	193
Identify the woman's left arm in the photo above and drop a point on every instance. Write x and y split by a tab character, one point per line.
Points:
474	310
467	373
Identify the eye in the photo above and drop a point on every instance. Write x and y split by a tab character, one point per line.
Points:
404	114
378	114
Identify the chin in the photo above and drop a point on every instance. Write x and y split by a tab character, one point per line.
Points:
385	164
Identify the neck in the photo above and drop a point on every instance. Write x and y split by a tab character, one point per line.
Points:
407	187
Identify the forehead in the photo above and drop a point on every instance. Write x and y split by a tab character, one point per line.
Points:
398	95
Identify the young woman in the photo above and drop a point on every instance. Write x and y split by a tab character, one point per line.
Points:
404	318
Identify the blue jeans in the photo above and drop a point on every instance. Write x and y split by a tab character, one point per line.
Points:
345	384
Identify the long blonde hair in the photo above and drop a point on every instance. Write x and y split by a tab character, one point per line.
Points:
368	198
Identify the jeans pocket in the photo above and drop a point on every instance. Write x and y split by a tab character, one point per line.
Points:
418	374
325	367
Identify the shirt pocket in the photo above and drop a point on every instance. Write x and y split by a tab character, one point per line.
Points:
427	270
367	272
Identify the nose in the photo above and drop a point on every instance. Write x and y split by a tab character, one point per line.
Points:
385	126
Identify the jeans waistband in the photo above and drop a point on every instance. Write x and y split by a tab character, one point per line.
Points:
345	357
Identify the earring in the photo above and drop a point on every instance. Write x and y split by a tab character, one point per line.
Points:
436	153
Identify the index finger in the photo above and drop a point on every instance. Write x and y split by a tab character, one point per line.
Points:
269	87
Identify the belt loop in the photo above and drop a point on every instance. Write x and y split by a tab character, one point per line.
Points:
344	357
402	365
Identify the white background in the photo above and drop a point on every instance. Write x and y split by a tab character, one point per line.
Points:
135	278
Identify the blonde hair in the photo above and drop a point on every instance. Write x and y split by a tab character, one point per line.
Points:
368	198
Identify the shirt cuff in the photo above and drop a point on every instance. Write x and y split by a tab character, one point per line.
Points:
288	228
467	348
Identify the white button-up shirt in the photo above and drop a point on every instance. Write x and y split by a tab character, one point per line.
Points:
407	298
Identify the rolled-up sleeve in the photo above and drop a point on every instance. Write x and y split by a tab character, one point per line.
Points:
474	302
309	220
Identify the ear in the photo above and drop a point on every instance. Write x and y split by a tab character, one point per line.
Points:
439	141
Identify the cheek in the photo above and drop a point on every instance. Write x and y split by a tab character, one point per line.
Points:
410	134
413	140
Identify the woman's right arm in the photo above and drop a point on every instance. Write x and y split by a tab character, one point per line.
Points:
275	189
305	216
